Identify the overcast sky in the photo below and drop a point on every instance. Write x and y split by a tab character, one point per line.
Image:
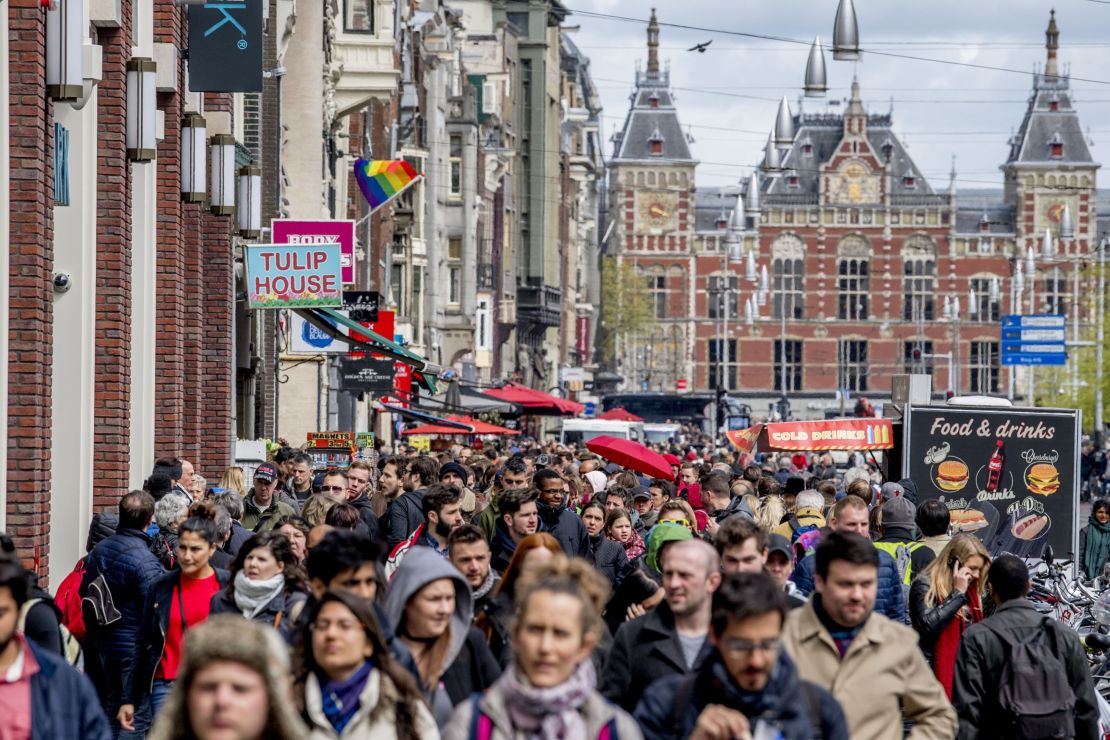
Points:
727	97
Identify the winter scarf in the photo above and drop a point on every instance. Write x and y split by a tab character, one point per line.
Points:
948	642
549	714
635	547
1098	546
341	699
487	585
252	596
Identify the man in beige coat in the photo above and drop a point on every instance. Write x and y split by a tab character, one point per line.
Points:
872	665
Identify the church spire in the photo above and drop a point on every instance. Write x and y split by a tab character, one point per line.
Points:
855	117
653	45
1052	44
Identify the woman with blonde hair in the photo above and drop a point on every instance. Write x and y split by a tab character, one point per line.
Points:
770	513
948	598
316	508
233	479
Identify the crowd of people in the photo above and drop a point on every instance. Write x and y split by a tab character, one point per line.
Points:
537	592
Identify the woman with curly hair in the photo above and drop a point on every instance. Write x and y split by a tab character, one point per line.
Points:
346	682
267	584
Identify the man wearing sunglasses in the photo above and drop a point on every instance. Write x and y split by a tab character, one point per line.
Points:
746	680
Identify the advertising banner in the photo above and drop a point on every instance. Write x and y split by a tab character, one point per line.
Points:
744	439
1008	475
293	276
365	375
341	232
833	434
331	440
225	46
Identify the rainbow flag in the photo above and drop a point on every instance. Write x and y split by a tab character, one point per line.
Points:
382	180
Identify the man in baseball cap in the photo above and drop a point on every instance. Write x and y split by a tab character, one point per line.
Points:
261	509
898	531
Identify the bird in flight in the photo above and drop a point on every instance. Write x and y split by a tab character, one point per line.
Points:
700	48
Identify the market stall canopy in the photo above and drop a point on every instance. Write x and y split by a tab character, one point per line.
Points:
830	434
631	455
481	427
460	425
417	415
534	401
470	401
620	414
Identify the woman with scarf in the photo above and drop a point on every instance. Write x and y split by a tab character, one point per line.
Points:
606	555
267	585
1094	539
948	598
549	692
347	684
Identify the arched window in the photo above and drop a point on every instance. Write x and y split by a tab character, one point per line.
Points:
854	278
919	259
787	277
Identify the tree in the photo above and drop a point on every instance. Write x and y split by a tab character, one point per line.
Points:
625	304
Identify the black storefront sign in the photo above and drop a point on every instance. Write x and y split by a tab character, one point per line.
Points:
225	46
1035	501
365	375
362	305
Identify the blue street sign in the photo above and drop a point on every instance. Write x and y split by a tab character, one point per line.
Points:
1035	339
591	408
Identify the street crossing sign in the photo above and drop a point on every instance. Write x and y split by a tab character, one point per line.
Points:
1034	339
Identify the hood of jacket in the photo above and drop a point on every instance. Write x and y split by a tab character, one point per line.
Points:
660	535
735	506
421	566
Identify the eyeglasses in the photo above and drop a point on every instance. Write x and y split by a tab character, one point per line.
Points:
747	647
678	522
337	489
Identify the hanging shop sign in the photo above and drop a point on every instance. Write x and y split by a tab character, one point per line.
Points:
831	434
331	440
1008	475
225	46
294	275
365	375
338	231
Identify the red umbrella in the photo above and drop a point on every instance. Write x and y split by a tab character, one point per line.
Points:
620	414
481	427
631	455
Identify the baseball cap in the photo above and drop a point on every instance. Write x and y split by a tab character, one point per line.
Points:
778	543
891	490
267	472
641	493
899	512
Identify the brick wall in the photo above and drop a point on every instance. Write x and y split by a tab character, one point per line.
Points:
112	399
211	404
31	302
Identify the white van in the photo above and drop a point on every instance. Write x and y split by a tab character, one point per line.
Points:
662	433
581	431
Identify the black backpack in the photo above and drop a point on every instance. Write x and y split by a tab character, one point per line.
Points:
1034	694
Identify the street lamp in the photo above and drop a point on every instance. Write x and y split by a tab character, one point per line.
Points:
141	109
65	26
194	133
816	84
222	201
846	32
250	202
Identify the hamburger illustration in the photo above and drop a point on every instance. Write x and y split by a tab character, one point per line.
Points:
967	520
1043	479
952	475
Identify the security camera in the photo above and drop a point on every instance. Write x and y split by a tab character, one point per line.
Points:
62	282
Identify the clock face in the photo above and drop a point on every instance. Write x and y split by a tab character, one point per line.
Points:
1050	211
656	210
853	183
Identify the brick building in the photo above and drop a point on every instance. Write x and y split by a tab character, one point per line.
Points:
116	293
837	265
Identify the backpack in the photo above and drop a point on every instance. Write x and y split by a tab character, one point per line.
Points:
481	726
1034	694
68	601
901	552
71	646
803	538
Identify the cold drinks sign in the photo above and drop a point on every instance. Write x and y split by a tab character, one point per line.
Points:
294	276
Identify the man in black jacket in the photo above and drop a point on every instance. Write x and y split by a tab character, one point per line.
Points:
983	654
555	518
405	512
671	639
747	678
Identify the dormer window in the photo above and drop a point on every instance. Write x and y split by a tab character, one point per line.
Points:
722	222
909	181
984	225
655	141
807	148
792	180
1054	103
1056	146
653	101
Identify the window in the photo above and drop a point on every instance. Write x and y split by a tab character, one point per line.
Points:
724	297
855	286
807	148
984	367
358	16
454	270
986	308
653	101
656	148
455	161
788	365
917	355
792	182
1054	294
853	365
520	20
909	181
723	373
787	277
919	264
1056	146
397	288
1057	151
657	284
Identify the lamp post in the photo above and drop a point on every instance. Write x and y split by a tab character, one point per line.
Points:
194	130
141	113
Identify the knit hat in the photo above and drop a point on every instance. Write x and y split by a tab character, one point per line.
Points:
898	512
663	534
453	467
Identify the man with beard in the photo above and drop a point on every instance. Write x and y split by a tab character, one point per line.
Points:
555	518
405	512
512	477
747	680
839	643
390	485
442	515
671	639
39	691
468	551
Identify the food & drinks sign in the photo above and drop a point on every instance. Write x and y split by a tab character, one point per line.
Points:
294	276
1008	475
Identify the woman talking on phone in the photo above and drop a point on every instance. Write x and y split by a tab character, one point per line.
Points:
946	599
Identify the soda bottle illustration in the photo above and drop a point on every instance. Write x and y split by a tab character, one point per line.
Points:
994	468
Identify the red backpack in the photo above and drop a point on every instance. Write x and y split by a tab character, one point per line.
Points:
68	600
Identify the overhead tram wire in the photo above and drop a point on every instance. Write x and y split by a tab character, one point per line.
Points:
799	42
